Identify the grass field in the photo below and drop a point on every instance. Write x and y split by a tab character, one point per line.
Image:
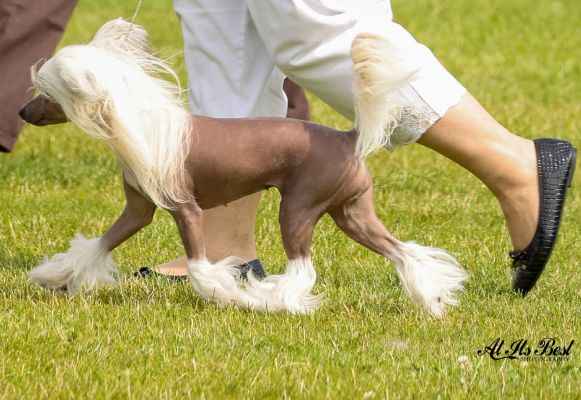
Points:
154	339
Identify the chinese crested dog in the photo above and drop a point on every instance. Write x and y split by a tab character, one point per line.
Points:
111	88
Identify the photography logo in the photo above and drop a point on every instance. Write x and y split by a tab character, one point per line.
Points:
546	349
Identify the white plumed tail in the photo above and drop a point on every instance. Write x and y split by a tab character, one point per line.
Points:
290	291
378	74
430	276
86	262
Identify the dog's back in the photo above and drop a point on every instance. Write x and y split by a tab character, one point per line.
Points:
231	158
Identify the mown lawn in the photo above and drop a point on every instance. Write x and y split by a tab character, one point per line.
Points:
154	339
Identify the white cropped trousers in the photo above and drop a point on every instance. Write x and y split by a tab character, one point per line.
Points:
237	53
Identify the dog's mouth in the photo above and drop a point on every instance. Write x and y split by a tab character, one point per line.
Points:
41	122
36	122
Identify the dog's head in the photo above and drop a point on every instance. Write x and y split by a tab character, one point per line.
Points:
82	83
112	89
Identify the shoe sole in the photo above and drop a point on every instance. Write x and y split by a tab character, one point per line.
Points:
572	165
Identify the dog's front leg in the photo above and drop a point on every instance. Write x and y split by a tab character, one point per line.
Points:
189	220
216	282
138	213
88	261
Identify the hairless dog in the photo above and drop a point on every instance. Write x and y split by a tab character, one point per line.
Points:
111	89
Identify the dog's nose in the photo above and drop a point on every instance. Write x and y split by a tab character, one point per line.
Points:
22	112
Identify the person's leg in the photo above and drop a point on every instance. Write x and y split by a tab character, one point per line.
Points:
504	162
311	43
230	75
228	230
29	32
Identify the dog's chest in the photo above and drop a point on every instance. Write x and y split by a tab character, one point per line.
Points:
131	179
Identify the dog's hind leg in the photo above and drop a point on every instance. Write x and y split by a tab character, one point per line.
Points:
88	261
430	276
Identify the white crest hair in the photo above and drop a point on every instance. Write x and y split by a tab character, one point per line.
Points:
112	89
378	74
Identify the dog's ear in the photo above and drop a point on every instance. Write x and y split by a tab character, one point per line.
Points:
80	83
122	37
94	99
68	74
84	98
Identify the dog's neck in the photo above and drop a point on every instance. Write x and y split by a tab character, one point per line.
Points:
152	147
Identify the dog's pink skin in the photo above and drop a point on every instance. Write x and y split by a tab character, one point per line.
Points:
313	167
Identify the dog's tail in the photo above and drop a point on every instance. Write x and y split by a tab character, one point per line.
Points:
430	276
379	72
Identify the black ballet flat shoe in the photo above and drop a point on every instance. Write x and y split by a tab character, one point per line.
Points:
254	265
146	272
556	165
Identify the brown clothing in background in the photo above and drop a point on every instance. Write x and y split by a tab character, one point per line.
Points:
29	32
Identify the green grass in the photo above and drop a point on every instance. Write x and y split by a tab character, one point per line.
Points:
153	339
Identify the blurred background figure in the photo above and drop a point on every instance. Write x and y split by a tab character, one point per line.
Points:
29	32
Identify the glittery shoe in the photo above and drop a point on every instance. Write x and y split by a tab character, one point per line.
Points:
254	265
556	166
